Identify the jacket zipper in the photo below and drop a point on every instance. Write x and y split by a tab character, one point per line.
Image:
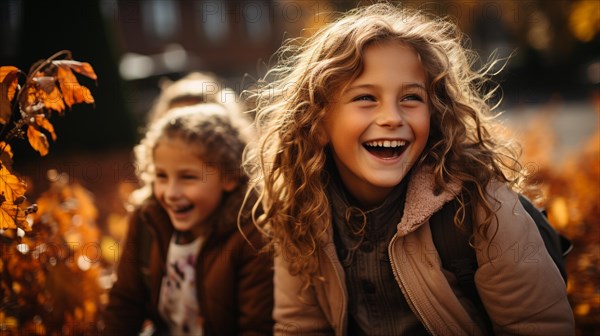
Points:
406	290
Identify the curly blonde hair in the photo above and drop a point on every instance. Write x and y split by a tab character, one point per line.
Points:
194	88
291	157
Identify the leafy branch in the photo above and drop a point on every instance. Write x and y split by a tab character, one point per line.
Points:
27	101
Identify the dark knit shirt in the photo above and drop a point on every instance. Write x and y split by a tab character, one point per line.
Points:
376	305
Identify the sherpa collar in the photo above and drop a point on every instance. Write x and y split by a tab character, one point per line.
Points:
421	200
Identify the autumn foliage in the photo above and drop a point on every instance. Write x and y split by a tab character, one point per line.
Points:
48	284
27	100
50	276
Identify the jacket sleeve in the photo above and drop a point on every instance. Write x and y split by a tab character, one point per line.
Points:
297	311
125	312
519	284
255	285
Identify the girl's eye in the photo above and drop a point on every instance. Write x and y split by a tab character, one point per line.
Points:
412	97
364	98
189	177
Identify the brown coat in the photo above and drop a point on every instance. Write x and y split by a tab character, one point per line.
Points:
520	287
234	287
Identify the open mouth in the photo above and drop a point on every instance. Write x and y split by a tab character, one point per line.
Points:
386	149
182	209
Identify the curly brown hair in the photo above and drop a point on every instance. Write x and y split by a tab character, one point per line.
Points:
463	147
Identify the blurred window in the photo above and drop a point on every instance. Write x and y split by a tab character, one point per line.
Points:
160	18
212	20
10	12
257	15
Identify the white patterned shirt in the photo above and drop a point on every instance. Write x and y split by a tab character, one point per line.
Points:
177	303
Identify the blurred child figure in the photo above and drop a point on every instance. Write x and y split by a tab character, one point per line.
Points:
369	128
186	266
194	88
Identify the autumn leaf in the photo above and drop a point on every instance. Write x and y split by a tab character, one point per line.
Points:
6	155
53	100
5	149
8	86
12	217
82	68
44	123
12	190
72	91
10	185
7	72
38	140
38	100
48	95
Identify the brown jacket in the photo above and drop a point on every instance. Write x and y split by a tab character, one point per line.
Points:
519	284
234	287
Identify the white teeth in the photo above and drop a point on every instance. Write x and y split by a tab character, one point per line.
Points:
386	143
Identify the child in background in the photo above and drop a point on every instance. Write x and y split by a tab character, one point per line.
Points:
185	265
372	125
194	88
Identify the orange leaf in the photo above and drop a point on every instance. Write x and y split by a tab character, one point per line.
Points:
44	123
32	97
82	68
12	190
52	100
8	86
5	149
11	186
73	93
5	71
38	140
11	217
6	156
45	93
6	219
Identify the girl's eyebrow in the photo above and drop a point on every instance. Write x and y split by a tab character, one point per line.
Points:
409	85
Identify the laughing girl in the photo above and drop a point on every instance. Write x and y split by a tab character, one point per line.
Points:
370	126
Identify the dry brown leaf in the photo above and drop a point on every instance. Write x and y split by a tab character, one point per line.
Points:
44	123
72	91
11	217
5	149
12	190
38	140
46	83
8	85
82	68
53	100
45	93
4	72
10	186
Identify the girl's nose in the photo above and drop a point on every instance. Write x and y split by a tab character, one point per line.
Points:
390	115
172	190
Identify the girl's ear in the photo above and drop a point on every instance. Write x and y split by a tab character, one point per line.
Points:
229	183
322	135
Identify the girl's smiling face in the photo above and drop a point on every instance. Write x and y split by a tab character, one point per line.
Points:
188	189
379	124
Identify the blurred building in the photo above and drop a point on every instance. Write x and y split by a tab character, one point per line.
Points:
233	39
553	44
227	37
